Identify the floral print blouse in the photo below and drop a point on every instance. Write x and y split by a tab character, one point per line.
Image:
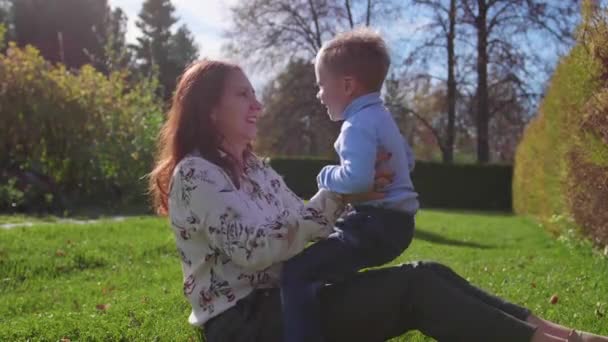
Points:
232	241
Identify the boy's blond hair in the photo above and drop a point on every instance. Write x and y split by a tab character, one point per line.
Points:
361	53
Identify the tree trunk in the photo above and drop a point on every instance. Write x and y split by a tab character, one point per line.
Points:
350	14
448	155
315	18
368	19
483	144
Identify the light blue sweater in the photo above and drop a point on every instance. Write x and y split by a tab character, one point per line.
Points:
368	126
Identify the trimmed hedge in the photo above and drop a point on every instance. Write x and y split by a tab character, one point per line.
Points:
561	164
473	187
464	186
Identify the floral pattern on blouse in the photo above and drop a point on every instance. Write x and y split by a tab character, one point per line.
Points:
231	241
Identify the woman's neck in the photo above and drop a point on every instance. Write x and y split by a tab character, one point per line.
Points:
236	151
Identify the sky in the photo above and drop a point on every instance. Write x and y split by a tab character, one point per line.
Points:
208	19
205	18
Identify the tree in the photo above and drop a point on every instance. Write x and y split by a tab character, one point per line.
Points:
448	153
183	49
158	51
152	49
427	106
74	42
117	55
4	11
6	18
289	33
291	106
442	27
500	26
267	32
395	101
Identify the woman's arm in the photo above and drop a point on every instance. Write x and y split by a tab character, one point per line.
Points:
212	204
318	215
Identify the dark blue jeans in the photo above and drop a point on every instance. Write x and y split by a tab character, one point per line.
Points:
380	304
366	237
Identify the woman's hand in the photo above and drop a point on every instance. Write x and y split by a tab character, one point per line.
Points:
382	178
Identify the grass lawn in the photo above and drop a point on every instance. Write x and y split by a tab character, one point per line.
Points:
15	219
122	280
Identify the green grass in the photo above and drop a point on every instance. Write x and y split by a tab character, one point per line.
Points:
16	219
122	280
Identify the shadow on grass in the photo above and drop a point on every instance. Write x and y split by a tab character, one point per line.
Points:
471	212
442	240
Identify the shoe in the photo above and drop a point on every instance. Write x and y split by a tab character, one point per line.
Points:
576	336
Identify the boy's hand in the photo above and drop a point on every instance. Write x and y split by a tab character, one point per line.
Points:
381	156
362	197
382	178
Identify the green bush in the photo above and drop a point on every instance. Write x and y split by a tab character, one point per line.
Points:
561	164
464	186
83	136
470	186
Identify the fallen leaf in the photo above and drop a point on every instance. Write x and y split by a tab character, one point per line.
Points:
102	307
107	290
554	299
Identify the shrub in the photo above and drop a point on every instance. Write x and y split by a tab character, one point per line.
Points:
89	136
561	164
469	186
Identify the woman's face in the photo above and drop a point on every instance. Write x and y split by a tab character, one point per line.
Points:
238	111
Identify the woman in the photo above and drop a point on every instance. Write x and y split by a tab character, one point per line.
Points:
235	221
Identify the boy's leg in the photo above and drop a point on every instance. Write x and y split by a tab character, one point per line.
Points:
383	234
364	239
304	274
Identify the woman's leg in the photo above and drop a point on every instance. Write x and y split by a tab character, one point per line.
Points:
378	305
391	301
456	280
547	327
564	332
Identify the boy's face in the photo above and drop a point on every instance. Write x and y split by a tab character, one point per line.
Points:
335	92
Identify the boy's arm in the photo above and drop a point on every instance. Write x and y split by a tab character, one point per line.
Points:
357	150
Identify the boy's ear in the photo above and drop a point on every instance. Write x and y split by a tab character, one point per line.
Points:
349	85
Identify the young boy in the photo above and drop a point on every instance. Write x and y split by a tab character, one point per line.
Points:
350	71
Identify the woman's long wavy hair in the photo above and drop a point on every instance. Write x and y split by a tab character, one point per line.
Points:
189	127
